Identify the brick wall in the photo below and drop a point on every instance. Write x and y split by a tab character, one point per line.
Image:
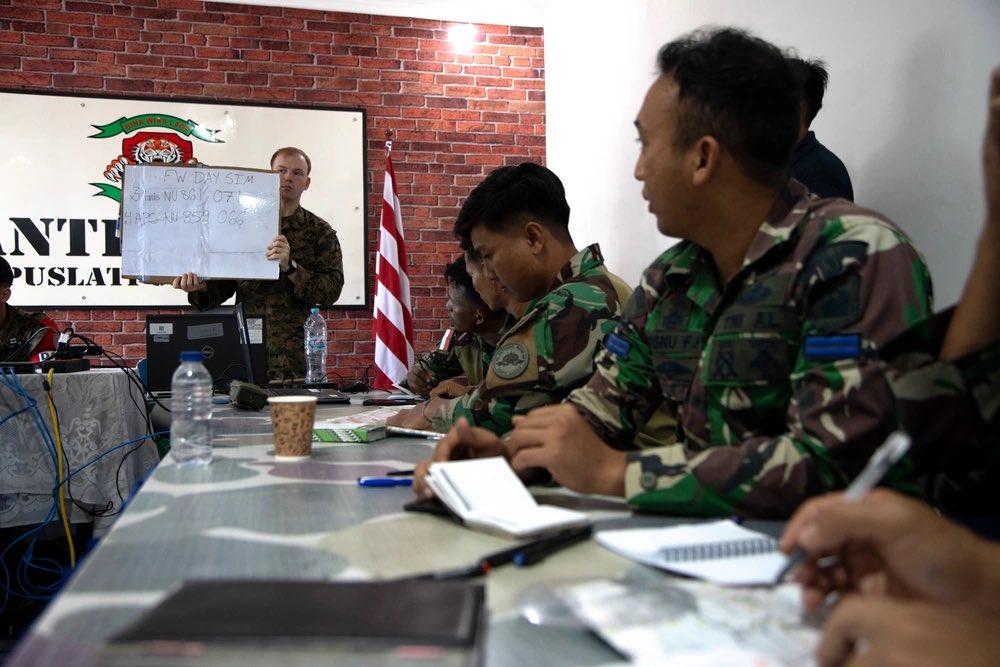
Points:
455	116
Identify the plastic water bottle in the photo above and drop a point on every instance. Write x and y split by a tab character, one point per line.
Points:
191	411
315	330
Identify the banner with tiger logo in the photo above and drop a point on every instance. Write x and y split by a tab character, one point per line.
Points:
61	183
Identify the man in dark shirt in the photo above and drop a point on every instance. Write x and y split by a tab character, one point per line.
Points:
813	164
23	335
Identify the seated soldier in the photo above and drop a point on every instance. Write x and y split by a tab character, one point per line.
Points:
517	220
24	336
759	329
475	332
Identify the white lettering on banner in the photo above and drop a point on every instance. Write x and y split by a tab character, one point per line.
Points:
61	187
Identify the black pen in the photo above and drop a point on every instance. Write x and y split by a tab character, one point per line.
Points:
467	572
400	473
538	551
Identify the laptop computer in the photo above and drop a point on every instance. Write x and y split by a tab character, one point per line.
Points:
218	335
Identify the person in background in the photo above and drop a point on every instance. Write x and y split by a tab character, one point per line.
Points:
311	270
24	336
517	221
756	329
813	164
912	588
473	337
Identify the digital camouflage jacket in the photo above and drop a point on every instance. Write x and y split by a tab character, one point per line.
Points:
771	377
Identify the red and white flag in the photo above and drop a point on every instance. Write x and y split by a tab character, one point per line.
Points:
393	325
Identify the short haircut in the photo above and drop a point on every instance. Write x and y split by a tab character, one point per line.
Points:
6	274
292	150
812	78
740	90
514	195
455	274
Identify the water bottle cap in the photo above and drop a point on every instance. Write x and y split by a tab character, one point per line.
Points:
192	355
315	311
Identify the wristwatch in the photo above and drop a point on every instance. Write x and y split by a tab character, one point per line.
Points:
292	268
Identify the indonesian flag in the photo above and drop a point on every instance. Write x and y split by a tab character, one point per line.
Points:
393	326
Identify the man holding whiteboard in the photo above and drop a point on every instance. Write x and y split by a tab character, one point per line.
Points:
311	272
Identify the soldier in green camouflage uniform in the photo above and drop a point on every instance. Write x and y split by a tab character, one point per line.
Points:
775	397
311	273
754	329
17	326
471	342
951	409
517	222
548	351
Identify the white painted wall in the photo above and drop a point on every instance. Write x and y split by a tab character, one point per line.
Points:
905	109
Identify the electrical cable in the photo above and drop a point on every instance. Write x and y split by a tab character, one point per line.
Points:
59	467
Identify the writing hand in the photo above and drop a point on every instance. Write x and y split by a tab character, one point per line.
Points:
887	545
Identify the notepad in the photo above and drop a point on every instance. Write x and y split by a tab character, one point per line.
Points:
722	552
487	495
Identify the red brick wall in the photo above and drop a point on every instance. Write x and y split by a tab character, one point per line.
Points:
455	116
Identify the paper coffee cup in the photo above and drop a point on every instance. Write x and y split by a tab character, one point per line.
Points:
292	420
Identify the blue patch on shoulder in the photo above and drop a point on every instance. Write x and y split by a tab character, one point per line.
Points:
843	346
618	345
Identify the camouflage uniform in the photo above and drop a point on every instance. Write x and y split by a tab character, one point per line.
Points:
17	329
548	351
468	354
775	399
319	279
952	412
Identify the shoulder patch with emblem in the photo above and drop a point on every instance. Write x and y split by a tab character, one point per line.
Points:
510	361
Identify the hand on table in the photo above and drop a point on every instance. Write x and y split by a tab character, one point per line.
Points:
558	439
461	442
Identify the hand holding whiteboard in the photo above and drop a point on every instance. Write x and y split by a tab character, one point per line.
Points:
215	222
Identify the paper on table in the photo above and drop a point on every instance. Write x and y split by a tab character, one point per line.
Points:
487	494
720	551
683	622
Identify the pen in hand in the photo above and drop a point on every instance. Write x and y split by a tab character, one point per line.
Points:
890	452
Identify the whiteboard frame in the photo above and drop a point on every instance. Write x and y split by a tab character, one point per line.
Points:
59	148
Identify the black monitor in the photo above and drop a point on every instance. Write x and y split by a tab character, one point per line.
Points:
233	346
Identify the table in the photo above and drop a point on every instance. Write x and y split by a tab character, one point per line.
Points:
248	516
96	414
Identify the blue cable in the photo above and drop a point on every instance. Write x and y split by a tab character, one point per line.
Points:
21	572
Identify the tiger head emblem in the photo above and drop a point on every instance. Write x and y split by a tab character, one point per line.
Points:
156	149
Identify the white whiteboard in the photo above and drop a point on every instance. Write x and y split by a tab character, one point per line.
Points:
213	222
57	222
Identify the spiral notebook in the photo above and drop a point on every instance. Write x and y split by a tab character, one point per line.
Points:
722	552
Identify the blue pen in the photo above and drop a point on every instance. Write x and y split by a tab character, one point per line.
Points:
385	481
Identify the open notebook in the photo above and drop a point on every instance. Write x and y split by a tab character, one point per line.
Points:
488	496
722	552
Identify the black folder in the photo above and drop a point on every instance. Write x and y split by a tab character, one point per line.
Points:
226	618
